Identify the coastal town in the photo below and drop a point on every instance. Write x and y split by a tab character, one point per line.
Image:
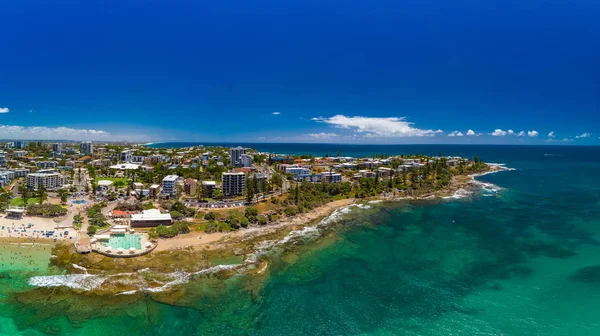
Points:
128	200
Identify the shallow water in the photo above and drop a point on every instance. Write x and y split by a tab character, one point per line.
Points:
521	257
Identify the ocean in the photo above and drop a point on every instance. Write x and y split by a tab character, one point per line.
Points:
519	257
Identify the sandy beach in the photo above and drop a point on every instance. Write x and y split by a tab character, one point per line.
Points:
34	228
212	239
190	239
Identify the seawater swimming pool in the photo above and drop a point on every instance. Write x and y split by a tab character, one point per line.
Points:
125	241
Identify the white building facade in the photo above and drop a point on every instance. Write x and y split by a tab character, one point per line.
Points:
51	180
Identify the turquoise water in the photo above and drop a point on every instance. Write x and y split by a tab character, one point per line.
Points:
125	241
522	261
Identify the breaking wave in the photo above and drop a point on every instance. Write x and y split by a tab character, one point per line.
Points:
75	281
88	281
92	281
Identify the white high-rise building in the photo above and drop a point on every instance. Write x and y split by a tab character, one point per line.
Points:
86	148
50	179
246	160
57	147
169	184
235	155
126	155
233	183
20	144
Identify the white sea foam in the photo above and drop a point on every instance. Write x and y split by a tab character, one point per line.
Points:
76	281
337	214
92	281
80	268
460	193
488	188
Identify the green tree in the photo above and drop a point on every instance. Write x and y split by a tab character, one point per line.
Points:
249	189
63	196
24	193
4	201
42	194
218	194
91	230
210	216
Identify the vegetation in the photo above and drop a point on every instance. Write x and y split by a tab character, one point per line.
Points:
18	201
46	210
91	230
180	209
162	231
77	220
126	206
236	219
95	216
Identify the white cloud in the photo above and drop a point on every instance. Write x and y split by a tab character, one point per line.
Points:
498	132
551	135
567	140
321	135
374	127
533	133
520	134
471	133
511	132
456	133
276	113
53	133
4	110
584	135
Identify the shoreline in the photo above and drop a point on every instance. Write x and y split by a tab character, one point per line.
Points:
223	239
181	258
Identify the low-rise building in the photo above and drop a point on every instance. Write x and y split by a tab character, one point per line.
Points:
21	172
208	187
46	164
384	171
154	190
308	178
151	218
189	186
332	177
297	171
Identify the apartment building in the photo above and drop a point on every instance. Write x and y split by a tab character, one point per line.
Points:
233	184
86	148
50	179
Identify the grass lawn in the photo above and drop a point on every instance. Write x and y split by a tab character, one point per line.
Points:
18	201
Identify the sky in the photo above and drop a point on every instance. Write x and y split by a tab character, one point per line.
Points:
461	71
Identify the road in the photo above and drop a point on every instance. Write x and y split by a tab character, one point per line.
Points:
80	179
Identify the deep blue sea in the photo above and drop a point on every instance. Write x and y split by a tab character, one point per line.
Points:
520	258
489	153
